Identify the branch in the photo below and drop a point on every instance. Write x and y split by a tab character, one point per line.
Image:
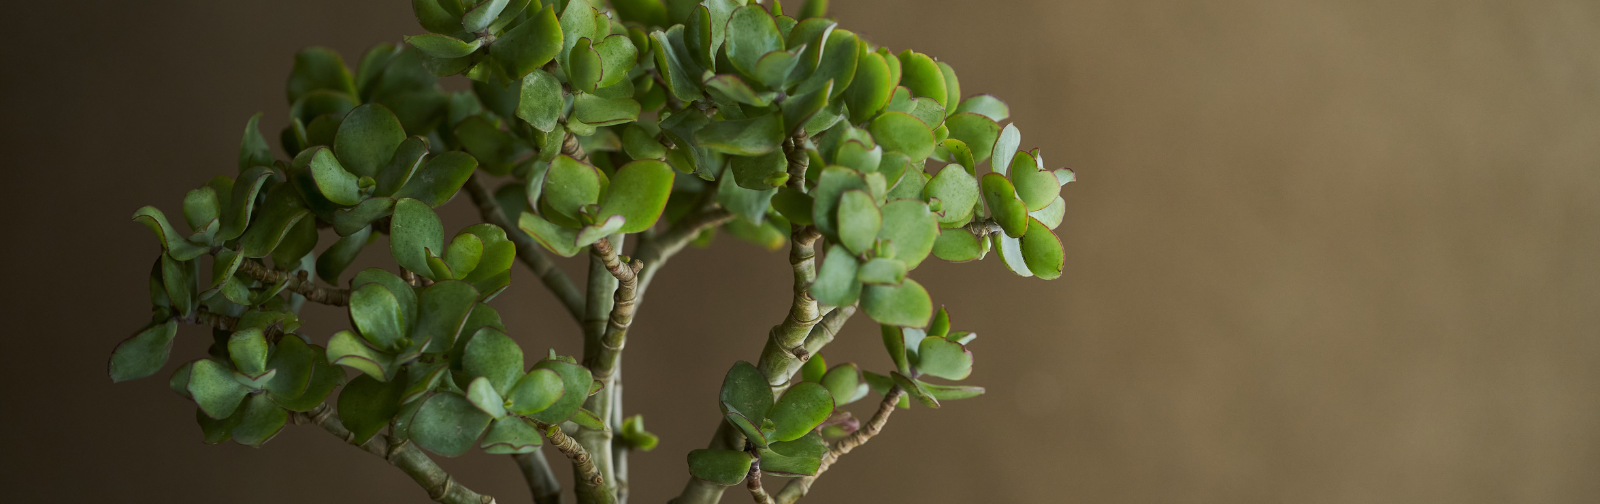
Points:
798	487
753	481
581	463
205	317
604	361
440	485
541	480
602	288
656	250
570	147
299	284
527	250
785	341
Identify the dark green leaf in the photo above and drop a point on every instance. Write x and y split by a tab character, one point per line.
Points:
448	424
912	228
492	355
542	101
144	353
319	68
535	391
836	283
906	305
171	241
745	391
295	362
554	238
444	307
743	137
575	381
439	179
336	258
638	192
802	408
253	150
478	18
943	358
511	435
376	312
324	378
261	421
213	388
483	396
528	46
832	184
444	46
722	467
951	392
595	110
248	350
345	349
436	18
414	232
915	389
1004	206
282	210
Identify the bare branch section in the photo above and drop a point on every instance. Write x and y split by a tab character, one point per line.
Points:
784	344
541	479
581	462
753	482
208	318
798	487
527	251
440	485
604	363
299	284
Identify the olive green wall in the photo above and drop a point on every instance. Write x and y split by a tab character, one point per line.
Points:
1321	252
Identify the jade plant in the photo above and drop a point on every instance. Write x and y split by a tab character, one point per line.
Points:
581	127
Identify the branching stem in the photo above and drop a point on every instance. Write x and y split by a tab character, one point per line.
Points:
402	454
581	462
299	284
798	487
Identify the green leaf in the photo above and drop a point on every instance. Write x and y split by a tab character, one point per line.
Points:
595	110
751	34
324	378
957	192
837	283
987	106
435	18
332	181
492	355
217	431
923	77
282	210
882	271
496	150
912	228
1005	148
634	435
577	21
144	353
773	70
408	157
569	185
584	65
482	395
344	349
1042	251
213	388
253	150
793	205
529	45
777	464
542	101
831	185
376	312
261	421
448	424
835	60
336	258
1037	188
760	172
248	350
403	293
859	221
171	241
444	308
498	255
588	420
951	392
1010	251
735	89
575	381
414	232
241	201
722	467
444	46
743	137
940	327
976	131
617	55
813	369
903	133
748	204
915	389
554	238
638	192
439	179
673	60
201	208
870	89
535	391
367	139
943	358
745	391
644	12
511	435
295	362
180	279
478	18
951	84
843	382
1052	214
802	408
906	305
1004	206
319	68
459	258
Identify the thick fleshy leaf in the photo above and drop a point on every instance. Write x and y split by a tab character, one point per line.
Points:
324	378
404	294
1005	148
338	257
492	355
837	283
778	464
745	391
835	61
171	240
915	389
906	305
201	208
378	316
957	192
1010	251
295	363
952	86
554	238
498	255
541	101
859	221
912	228
976	131
743	137
842	381
435	18
881	384
460	257
448	424
253	150
638	192
793	205
940	325
870	89
242	201
180	280
261	421
749	204
439	179
617	55
444	46
856	155
943	358
319	68
345	349
959	245
802	408
814	369
444	308
282	210
751	34
144	353
478	18
1004	206
1037	188
332	181
903	133
414	234
248	350
1042	251
367	139
511	435
882	271
495	150
987	106
535	391
923	77
722	467
1052	214
798	110
584	66
673	60
831	185
213	388
638	144
595	110
951	392
569	185
575	381
531	44
482	395
217	431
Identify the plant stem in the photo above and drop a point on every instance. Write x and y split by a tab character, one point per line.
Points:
583	467
403	454
753	480
605	273
798	487
299	284
527	251
541	480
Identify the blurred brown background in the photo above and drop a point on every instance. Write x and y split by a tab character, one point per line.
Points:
1321	252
